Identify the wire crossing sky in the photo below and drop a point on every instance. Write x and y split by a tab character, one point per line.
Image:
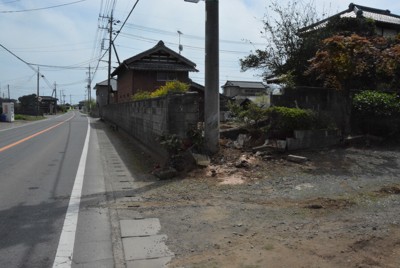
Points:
64	37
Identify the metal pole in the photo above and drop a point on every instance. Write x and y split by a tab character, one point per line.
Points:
211	97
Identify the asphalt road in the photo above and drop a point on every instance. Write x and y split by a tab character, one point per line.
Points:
38	166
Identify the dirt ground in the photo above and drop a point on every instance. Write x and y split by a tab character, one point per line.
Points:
341	208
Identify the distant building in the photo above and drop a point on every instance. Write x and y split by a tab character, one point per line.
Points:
150	70
48	104
104	95
244	89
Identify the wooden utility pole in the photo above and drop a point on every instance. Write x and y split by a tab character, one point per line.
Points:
37	92
89	91
111	21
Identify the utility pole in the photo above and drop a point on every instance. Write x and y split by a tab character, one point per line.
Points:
110	46
55	96
88	90
109	57
211	93
8	88
37	92
211	98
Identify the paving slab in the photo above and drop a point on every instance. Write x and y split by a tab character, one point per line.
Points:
149	247
140	227
150	263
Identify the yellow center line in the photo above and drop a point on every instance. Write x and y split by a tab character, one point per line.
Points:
33	135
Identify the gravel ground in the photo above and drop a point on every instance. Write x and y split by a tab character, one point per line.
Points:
339	209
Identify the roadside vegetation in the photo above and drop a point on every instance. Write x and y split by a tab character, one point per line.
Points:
28	117
169	87
346	55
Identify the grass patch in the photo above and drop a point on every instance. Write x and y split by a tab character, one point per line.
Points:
28	117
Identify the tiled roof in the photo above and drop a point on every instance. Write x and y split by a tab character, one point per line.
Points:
113	84
48	98
354	11
371	13
244	84
160	58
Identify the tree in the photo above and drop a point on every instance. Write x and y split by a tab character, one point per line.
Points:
285	50
345	62
388	65
357	62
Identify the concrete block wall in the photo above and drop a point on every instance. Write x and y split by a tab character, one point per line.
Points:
147	120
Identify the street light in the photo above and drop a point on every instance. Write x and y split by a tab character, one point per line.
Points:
211	92
180	46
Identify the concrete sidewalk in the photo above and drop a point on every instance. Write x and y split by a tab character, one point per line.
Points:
137	241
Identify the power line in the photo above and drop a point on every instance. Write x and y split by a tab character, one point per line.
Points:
41	8
150	40
117	33
165	32
27	63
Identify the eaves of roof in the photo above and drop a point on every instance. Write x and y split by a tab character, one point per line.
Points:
113	84
354	11
244	84
161	67
160	47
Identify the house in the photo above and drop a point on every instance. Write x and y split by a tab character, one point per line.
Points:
244	89
387	24
244	92
151	69
104	95
48	104
223	100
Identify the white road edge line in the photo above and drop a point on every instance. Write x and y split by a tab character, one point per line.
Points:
65	247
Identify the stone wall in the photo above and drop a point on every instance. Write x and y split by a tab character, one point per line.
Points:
147	120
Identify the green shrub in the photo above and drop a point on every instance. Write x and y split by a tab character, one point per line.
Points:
27	117
141	95
249	114
234	108
171	142
170	87
252	114
374	103
284	120
377	113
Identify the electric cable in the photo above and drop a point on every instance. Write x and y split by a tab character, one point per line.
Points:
41	8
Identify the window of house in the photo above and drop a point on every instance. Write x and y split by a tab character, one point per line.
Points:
167	76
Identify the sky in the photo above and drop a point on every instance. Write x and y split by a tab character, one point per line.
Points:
64	37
